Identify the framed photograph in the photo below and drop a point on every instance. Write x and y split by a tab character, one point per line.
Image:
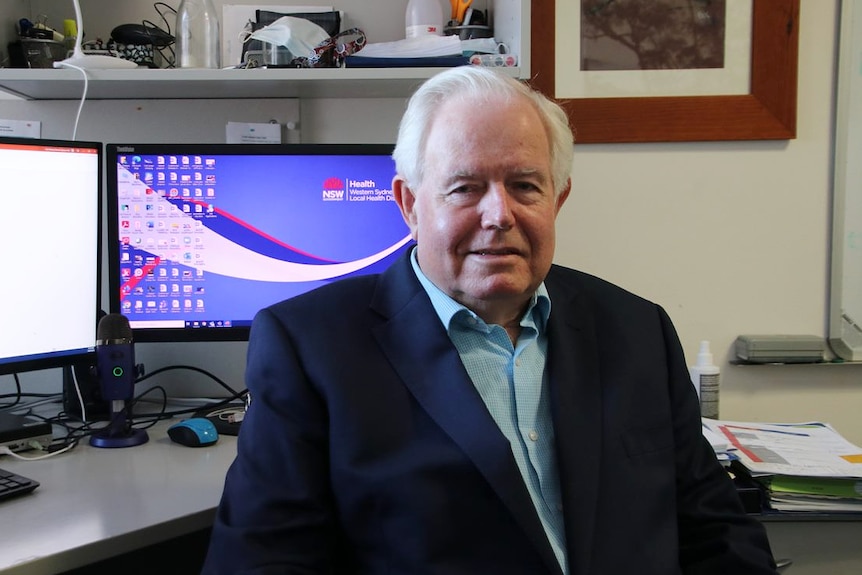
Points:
741	84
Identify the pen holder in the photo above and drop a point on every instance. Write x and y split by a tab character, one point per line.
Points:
469	32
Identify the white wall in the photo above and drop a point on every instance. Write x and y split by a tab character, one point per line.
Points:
730	237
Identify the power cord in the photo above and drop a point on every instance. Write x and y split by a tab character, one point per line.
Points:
83	95
17	395
73	372
233	414
233	392
4	450
78	427
65	64
17	405
169	47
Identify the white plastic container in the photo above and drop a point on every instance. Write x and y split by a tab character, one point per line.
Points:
197	43
705	377
423	18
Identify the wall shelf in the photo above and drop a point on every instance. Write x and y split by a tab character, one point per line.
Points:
382	20
739	363
144	83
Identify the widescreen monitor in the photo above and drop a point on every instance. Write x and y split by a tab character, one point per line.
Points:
202	236
50	220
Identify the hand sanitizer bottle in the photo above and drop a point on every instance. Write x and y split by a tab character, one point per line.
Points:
705	375
423	18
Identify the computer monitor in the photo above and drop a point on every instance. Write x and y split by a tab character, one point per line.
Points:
50	221
202	236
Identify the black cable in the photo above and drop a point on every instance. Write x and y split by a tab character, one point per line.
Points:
204	407
161	14
78	429
84	429
22	395
234	395
233	392
16	395
156	417
170	47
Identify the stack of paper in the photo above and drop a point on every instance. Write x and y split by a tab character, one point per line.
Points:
790	493
418	47
804	466
421	51
717	440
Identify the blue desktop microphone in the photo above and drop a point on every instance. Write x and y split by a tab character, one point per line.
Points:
115	364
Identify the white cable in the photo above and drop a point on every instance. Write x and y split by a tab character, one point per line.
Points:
65	64
78	393
4	450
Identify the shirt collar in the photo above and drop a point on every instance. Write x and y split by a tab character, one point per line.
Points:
447	308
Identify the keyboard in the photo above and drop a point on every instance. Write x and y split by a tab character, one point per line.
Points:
13	485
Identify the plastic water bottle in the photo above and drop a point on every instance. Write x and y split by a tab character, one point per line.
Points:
197	28
423	18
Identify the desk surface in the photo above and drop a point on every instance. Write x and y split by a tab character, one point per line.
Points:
95	503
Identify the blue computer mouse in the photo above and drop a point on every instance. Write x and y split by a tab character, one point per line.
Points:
194	432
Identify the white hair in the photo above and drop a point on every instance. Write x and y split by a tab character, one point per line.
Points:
477	83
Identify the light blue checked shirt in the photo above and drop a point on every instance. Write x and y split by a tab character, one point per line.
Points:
514	387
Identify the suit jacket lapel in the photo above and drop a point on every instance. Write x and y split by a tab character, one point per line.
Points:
432	370
577	412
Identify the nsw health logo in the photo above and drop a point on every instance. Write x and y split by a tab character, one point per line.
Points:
333	190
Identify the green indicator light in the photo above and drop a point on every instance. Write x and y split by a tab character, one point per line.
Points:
118	371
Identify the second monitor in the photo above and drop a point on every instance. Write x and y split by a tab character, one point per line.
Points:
201	237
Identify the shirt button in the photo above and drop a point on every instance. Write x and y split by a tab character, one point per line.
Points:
518	362
533	435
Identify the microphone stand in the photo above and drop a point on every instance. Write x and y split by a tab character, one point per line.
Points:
119	431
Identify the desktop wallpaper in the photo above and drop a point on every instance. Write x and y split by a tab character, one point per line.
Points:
209	239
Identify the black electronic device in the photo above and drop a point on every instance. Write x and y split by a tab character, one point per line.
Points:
202	236
20	433
82	395
117	372
142	44
13	485
141	34
115	358
50	225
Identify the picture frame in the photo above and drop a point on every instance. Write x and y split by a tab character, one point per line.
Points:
845	291
767	112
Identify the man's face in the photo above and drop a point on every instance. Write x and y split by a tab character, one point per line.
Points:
483	216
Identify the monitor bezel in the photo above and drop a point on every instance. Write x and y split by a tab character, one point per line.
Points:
114	149
52	359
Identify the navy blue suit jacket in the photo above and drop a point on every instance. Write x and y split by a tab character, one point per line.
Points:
367	449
